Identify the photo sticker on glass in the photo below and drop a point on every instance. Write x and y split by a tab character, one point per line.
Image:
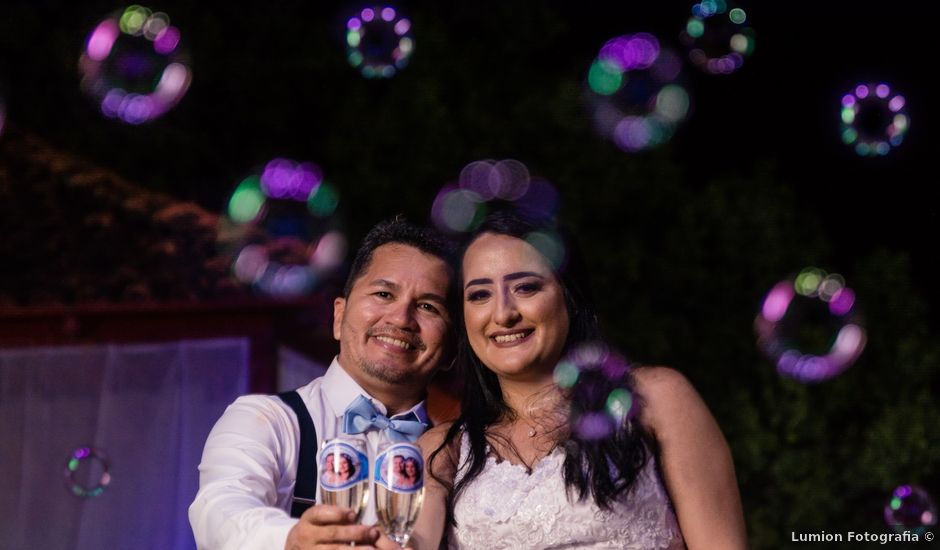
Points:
342	466
400	468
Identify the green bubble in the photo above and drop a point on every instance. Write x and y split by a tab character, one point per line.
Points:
604	77
355	59
323	200
848	115
353	38
672	103
695	27
246	201
737	16
133	19
849	135
807	282
566	374
619	403
549	246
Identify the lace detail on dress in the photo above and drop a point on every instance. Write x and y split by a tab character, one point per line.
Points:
505	507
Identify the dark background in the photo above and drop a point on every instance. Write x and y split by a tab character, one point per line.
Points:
683	240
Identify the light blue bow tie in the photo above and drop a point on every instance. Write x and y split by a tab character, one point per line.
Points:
361	415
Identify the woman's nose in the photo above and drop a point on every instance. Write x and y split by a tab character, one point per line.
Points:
507	314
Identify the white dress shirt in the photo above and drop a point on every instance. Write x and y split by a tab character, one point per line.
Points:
249	464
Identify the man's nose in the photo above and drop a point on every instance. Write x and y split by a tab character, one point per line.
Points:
402	315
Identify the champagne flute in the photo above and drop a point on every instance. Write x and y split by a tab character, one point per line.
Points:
399	489
344	474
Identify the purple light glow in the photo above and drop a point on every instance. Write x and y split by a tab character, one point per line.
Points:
643	49
594	426
402	27
509	180
476	177
632	133
285	179
777	301
367	15
848	100
166	42
102	39
861	91
388	13
111	103
136	108
882	90
842	302
896	103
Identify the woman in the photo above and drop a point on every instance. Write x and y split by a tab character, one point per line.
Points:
509	472
410	473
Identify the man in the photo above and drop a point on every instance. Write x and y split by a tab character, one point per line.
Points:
393	325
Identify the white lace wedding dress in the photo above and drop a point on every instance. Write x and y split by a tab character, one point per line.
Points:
506	507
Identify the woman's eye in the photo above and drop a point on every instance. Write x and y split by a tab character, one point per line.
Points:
528	288
477	295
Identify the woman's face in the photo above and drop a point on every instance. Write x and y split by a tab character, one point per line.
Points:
410	470
514	308
343	465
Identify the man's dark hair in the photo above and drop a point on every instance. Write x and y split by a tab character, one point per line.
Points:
398	230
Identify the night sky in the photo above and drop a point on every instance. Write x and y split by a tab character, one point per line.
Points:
497	80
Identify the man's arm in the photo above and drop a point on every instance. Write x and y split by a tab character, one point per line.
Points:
236	506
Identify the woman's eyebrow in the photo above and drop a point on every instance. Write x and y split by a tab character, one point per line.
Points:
509	277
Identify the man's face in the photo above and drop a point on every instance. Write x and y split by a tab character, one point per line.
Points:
394	327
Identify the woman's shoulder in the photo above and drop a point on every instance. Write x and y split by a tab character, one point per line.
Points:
658	379
434	437
666	395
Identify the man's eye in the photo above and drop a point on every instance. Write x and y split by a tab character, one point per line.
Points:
383	294
428	307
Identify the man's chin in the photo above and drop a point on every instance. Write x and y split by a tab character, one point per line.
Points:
392	372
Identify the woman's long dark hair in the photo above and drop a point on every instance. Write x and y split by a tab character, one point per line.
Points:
602	468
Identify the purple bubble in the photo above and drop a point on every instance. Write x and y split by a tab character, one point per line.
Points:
842	302
642	50
777	301
509	180
632	133
402	27
102	40
476	177
593	426
896	103
166	42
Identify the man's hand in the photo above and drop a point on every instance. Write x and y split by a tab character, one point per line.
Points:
325	527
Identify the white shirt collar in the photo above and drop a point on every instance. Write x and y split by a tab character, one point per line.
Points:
341	389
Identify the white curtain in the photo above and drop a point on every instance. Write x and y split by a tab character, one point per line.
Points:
149	407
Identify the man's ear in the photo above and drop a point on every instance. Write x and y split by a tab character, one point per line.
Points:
339	308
